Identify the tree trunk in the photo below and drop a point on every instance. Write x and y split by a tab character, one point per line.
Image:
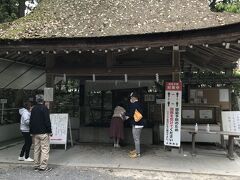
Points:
21	8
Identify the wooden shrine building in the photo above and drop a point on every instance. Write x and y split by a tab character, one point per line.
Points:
118	40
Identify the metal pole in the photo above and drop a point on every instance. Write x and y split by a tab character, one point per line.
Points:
230	147
193	144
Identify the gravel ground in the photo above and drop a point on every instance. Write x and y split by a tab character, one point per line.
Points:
22	172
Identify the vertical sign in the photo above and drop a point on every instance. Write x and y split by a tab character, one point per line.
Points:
173	107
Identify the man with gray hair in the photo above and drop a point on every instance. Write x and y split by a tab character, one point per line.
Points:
40	128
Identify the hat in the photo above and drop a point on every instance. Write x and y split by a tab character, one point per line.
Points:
134	94
39	98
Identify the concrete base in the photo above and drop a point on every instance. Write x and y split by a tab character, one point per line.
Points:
207	161
9	132
101	135
186	137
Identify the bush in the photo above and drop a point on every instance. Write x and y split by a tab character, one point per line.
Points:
233	7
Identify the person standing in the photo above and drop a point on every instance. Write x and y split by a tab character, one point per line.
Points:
137	125
24	127
40	128
116	127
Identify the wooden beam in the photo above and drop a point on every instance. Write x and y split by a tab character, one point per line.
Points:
50	61
136	71
222	52
19	62
200	61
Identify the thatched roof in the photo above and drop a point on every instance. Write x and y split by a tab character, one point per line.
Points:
98	18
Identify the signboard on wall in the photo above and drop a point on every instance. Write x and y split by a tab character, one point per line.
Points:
172	120
223	95
3	101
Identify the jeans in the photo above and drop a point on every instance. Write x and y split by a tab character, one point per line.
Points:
27	144
136	137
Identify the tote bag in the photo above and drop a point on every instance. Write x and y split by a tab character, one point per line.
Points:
137	116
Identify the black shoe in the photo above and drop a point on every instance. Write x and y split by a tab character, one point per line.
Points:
47	169
36	168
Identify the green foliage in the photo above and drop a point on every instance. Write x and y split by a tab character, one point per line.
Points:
233	6
8	10
13	9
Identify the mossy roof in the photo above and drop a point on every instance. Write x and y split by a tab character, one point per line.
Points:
99	18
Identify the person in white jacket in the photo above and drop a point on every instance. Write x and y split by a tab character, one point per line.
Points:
25	113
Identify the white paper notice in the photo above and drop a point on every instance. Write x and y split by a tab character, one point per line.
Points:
200	93
59	128
231	121
48	94
223	95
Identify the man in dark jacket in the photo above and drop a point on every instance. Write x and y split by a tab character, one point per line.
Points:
40	128
136	126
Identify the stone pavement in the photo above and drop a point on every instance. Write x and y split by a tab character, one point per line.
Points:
212	161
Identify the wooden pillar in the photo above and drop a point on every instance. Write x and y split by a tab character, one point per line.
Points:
50	78
50	63
176	74
82	108
102	104
82	101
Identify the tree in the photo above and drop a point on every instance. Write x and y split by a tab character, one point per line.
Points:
13	9
8	10
225	5
21	8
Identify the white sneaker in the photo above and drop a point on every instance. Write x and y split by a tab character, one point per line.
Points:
21	158
29	159
117	146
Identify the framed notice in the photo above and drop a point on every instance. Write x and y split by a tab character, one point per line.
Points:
172	120
223	95
3	101
188	114
205	114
